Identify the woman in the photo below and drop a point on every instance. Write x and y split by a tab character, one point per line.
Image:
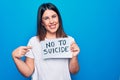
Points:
49	26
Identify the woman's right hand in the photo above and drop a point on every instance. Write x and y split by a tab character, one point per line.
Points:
20	51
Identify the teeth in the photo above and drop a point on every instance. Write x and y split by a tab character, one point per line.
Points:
52	26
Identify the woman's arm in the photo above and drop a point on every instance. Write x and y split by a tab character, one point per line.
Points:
26	68
74	65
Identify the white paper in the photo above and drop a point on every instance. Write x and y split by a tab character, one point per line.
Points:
56	48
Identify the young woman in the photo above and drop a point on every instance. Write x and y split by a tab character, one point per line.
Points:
49	26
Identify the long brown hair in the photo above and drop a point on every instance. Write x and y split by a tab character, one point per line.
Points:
41	31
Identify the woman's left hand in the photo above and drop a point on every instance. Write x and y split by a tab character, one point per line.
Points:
74	49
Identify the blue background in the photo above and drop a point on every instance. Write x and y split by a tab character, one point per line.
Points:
95	25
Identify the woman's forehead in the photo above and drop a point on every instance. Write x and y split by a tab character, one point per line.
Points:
49	12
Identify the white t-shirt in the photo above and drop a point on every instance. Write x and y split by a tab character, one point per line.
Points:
47	69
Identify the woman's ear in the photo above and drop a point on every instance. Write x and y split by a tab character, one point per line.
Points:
42	24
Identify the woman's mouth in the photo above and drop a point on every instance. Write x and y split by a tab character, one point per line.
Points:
52	26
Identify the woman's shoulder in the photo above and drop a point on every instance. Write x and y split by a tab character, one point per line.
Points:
70	36
34	39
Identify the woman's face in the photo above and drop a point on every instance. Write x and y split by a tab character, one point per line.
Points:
50	21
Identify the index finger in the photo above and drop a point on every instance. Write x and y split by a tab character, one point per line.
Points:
26	47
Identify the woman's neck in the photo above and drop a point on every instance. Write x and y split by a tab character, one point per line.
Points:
51	36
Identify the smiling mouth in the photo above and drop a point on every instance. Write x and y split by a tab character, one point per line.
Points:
52	26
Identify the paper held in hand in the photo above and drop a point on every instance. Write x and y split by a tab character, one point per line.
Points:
56	48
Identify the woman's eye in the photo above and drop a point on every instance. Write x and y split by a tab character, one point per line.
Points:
54	16
46	18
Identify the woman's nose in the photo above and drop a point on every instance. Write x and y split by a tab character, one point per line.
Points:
51	20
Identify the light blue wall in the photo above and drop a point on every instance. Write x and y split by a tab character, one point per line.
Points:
95	25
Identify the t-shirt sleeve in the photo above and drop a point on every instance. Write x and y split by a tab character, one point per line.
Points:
71	39
30	52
